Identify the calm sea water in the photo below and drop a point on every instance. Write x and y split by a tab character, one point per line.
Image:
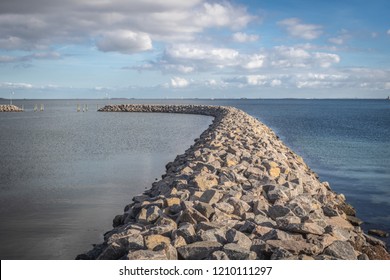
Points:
65	175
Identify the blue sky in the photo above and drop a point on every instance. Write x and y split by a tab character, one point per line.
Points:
194	48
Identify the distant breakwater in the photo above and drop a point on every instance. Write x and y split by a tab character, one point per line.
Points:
237	193
10	108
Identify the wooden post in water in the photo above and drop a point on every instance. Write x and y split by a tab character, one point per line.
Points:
35	107
78	107
42	108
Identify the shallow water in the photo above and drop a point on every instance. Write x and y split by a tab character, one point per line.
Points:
65	175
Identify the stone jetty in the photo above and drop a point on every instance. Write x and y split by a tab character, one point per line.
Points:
237	193
10	108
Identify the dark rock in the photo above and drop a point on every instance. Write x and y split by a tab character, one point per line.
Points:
147	255
205	209
211	196
187	231
234	236
118	221
219	255
378	232
330	212
354	220
198	250
113	252
341	250
277	211
236	252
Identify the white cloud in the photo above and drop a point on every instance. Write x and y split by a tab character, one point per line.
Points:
388	32
337	40
125	41
30	57
222	14
275	83
243	37
254	61
256	80
116	25
326	60
177	82
297	29
8	85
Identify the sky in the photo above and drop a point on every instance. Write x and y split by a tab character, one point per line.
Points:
194	49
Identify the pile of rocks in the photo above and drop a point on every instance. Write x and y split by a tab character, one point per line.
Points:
10	108
238	193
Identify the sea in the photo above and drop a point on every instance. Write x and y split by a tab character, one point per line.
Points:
66	171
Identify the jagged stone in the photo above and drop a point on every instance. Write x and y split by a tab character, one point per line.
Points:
187	231
147	255
236	252
198	250
225	207
113	251
152	241
205	181
341	250
219	255
205	209
211	196
234	236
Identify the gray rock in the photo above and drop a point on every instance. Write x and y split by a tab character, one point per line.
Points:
207	226
329	211
163	226
374	241
378	232
280	254
277	211
187	231
205	209
236	252
341	250
234	236
147	255
294	247
149	215
205	181
304	228
248	227
217	235
219	255
198	250
240	207
168	249
260	206
113	251
135	242
363	257
354	220
118	221
211	196
264	221
225	207
192	216
275	193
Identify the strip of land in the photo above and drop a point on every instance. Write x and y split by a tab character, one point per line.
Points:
237	193
10	108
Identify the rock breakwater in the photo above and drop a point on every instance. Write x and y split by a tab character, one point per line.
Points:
10	108
237	193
